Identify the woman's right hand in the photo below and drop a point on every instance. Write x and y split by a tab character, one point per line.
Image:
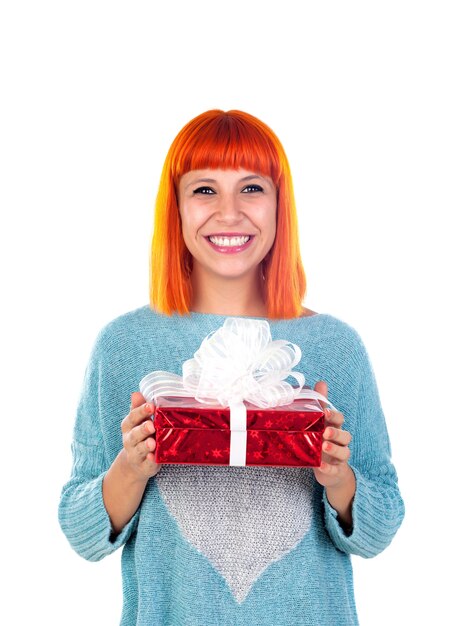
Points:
138	438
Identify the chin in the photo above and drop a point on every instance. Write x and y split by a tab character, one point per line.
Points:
227	270
237	275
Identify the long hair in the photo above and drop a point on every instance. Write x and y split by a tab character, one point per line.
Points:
225	140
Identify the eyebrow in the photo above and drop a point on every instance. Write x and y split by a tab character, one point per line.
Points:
213	180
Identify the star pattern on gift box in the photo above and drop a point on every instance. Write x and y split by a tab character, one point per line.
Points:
203	437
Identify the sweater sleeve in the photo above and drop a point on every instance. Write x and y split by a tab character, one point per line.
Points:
378	508
82	514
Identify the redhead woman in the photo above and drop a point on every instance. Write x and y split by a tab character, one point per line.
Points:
224	545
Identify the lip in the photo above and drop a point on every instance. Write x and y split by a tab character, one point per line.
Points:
229	249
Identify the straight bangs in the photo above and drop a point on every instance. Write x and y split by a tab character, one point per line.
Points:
227	140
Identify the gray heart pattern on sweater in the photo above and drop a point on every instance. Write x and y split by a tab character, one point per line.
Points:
242	519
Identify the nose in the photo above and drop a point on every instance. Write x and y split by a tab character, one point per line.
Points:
228	210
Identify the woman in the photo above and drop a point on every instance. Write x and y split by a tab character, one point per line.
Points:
228	545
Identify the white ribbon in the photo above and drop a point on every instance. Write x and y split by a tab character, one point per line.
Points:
236	363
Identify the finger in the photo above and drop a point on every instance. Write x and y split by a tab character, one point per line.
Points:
139	452
327	468
322	388
148	446
136	400
341	437
136	416
334	418
330	469
150	466
140	433
338	453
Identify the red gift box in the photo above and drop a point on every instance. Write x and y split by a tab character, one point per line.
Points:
194	433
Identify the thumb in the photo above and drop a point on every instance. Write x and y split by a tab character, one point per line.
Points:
322	388
136	400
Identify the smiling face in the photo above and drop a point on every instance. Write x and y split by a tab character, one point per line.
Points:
228	220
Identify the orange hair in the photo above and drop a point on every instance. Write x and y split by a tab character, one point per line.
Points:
225	140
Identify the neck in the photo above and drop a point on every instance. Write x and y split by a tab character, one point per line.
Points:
241	296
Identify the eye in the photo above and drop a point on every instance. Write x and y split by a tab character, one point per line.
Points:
252	188
203	190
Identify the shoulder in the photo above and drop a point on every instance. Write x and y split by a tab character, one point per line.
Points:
122	323
329	337
331	323
330	326
127	329
133	332
131	319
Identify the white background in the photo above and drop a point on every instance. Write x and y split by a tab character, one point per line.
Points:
367	100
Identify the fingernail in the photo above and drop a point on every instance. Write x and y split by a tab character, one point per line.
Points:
327	412
148	407
329	432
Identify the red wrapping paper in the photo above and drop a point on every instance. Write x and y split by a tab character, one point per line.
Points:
193	433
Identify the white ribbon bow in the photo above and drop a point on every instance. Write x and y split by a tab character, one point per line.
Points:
236	363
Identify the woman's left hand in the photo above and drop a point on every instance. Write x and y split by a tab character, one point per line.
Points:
334	470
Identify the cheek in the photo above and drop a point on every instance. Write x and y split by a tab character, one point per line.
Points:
187	232
272	238
272	222
193	218
184	220
190	227
272	231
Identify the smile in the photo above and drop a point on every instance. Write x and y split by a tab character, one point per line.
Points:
229	244
229	241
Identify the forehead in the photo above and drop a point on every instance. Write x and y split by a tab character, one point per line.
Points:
225	176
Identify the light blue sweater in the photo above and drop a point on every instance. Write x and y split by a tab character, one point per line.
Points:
231	546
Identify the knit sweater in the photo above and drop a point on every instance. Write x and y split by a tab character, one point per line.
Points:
231	546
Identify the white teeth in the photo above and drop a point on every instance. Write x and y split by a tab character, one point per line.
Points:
229	241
